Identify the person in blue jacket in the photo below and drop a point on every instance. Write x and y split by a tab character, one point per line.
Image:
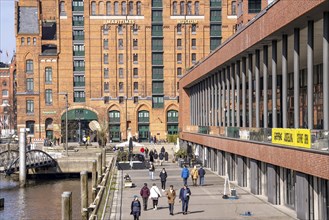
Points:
185	175
184	197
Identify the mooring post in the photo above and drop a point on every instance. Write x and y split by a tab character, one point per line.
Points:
94	179
99	167
22	157
103	159
84	194
67	206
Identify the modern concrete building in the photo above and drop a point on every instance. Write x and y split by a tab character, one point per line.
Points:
257	108
117	62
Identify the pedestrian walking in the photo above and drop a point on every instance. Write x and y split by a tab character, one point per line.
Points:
135	208
171	195
151	154
155	194
145	194
161	158
201	173
156	157
194	175
185	174
166	155
163	150
163	177
146	152
184	197
151	171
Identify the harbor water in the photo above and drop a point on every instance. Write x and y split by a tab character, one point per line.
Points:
40	199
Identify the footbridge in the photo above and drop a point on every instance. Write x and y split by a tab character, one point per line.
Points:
9	160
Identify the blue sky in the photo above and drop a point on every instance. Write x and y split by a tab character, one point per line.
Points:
7	31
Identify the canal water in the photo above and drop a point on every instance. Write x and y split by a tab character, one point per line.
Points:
40	199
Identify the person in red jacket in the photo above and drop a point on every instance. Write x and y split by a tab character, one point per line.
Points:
145	193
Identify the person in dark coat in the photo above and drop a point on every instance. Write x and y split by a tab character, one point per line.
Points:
201	173
163	150
135	208
163	177
145	194
184	197
161	158
166	155
151	154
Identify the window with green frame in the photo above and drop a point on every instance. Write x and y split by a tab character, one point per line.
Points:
215	30
215	42
48	75
114	116
157	72
157	102
157	30
157	3
216	15
157	58
172	116
157	15
254	6
157	44
157	87
143	116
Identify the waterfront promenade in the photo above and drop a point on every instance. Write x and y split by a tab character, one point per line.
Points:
206	201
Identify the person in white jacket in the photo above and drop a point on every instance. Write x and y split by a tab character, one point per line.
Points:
155	194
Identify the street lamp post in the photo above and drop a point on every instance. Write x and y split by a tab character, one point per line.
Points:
66	130
5	111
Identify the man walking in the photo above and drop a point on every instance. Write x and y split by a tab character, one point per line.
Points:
184	197
194	175
201	173
151	171
171	195
185	174
145	193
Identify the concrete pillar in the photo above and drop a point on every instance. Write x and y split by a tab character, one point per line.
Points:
325	46
282	192
228	98
250	107
220	85
284	107
233	94
216	99
310	64
99	167
274	84
244	124
296	76
212	94
237	79
94	179
84	194
265	85
257	93
67	206
223	95
22	157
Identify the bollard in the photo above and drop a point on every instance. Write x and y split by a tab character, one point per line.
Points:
84	194
22	157
99	167
67	206
103	159
94	179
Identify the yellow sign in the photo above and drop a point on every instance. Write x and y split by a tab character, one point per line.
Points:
120	22
187	21
292	137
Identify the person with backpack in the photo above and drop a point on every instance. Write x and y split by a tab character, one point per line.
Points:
185	174
145	193
161	158
135	208
201	173
151	171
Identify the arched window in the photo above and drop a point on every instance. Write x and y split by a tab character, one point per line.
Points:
124	8
22	41
131	8
174	8
139	8
29	66
93	8
197	8
62	7
182	6
101	8
116	8
108	8
189	8
233	8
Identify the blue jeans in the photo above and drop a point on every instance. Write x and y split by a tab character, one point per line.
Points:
202	181
185	205
185	181
171	208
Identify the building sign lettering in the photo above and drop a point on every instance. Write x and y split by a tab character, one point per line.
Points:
187	22
292	137
120	21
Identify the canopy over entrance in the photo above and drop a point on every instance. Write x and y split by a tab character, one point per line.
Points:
80	114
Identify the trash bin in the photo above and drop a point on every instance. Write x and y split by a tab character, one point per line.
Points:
233	192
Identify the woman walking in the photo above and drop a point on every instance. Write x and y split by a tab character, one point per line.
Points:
135	208
163	177
155	194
